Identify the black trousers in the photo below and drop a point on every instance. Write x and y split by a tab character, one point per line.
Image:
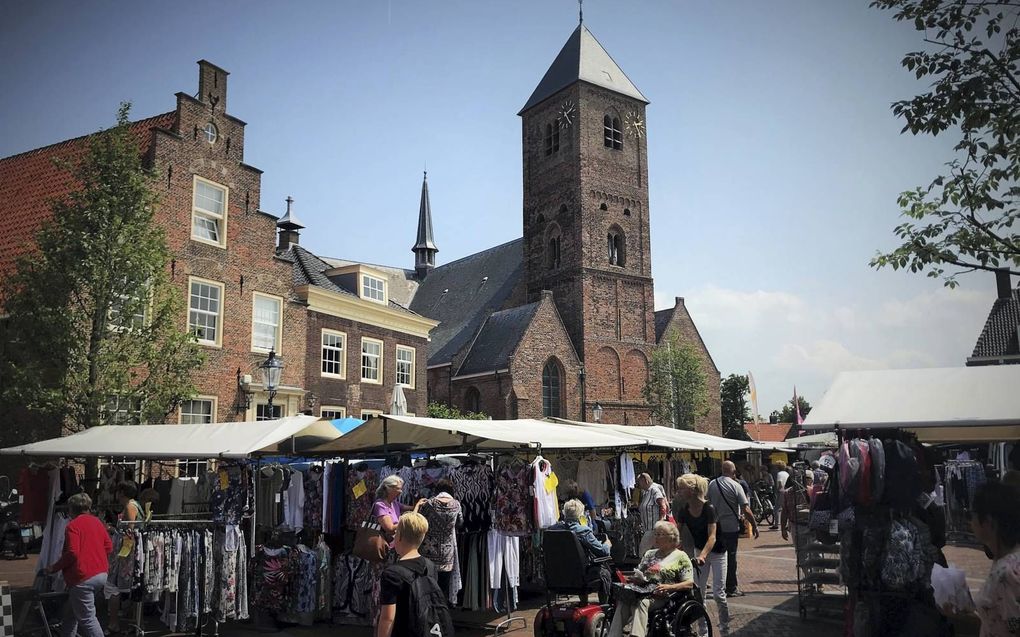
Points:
729	539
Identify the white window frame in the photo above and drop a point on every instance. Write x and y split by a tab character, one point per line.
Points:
209	399
136	321
218	341
201	213
278	337
381	358
340	411
365	289
367	413
281	406
122	413
343	353
398	362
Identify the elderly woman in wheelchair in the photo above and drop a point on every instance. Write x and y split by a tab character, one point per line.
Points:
663	571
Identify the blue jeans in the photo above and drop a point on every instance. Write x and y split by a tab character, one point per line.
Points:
80	613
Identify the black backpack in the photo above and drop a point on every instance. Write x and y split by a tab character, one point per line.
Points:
429	613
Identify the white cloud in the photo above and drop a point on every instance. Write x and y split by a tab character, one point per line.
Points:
787	340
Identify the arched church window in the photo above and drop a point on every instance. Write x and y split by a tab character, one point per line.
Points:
553	253
473	400
613	132
551	389
552	137
617	247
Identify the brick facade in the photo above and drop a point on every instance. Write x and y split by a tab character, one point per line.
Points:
350	392
681	324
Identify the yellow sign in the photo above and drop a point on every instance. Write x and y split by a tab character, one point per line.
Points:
126	547
359	489
224	479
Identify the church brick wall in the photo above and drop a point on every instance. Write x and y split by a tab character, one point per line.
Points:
545	338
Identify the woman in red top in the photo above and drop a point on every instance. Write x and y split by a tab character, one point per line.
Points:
84	563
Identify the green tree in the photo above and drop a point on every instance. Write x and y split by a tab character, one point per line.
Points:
735	411
677	388
787	414
93	319
442	410
964	219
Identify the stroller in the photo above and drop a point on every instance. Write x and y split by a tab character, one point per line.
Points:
568	571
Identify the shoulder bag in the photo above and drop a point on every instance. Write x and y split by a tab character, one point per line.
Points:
370	543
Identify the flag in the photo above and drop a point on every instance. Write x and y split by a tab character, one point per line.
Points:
754	403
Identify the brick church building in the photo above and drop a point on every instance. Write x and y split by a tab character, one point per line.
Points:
563	318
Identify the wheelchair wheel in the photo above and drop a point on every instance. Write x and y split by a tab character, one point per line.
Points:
598	626
688	616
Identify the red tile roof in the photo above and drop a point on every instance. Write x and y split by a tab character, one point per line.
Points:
30	180
766	432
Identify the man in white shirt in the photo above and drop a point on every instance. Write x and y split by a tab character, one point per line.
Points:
731	506
782	475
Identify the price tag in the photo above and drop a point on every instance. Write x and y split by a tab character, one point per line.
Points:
359	489
278	496
21	499
833	526
224	479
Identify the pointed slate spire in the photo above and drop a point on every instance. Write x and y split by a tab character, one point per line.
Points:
582	58
425	246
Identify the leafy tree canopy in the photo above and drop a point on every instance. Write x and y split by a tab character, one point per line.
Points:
735	411
964	220
94	323
677	387
442	410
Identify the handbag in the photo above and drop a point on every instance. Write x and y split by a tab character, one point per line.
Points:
370	543
632	593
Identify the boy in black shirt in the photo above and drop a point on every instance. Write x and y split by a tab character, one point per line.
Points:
395	588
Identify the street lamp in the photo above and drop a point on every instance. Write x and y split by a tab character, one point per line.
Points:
596	412
271	369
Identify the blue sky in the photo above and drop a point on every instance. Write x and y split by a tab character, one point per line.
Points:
774	160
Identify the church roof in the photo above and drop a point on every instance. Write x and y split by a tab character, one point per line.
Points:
662	319
498	340
463	293
582	58
1001	334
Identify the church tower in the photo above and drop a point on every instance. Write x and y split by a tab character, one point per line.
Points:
425	245
586	225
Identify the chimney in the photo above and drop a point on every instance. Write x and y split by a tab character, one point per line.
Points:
212	86
1003	283
289	226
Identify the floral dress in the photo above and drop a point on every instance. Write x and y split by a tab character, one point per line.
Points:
998	603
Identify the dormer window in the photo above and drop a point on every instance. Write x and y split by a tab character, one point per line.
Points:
373	288
613	132
552	137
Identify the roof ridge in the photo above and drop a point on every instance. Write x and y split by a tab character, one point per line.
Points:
73	140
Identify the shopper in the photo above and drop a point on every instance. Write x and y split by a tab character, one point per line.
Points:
573	510
693	510
387	509
130	511
664	564
781	476
443	513
84	563
573	491
732	509
653	507
995	521
397	610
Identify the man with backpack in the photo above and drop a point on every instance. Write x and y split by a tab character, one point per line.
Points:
410	600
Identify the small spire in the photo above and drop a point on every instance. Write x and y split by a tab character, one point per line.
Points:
580	12
289	221
425	246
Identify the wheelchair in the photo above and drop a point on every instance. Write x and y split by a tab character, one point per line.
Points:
568	571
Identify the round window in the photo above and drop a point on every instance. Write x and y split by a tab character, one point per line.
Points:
210	133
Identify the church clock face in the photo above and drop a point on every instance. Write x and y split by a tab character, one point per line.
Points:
566	114
635	125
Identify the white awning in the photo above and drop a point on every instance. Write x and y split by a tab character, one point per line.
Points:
410	433
961	398
670	438
217	440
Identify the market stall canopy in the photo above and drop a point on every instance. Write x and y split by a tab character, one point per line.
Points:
217	440
670	438
410	433
979	403
826	439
